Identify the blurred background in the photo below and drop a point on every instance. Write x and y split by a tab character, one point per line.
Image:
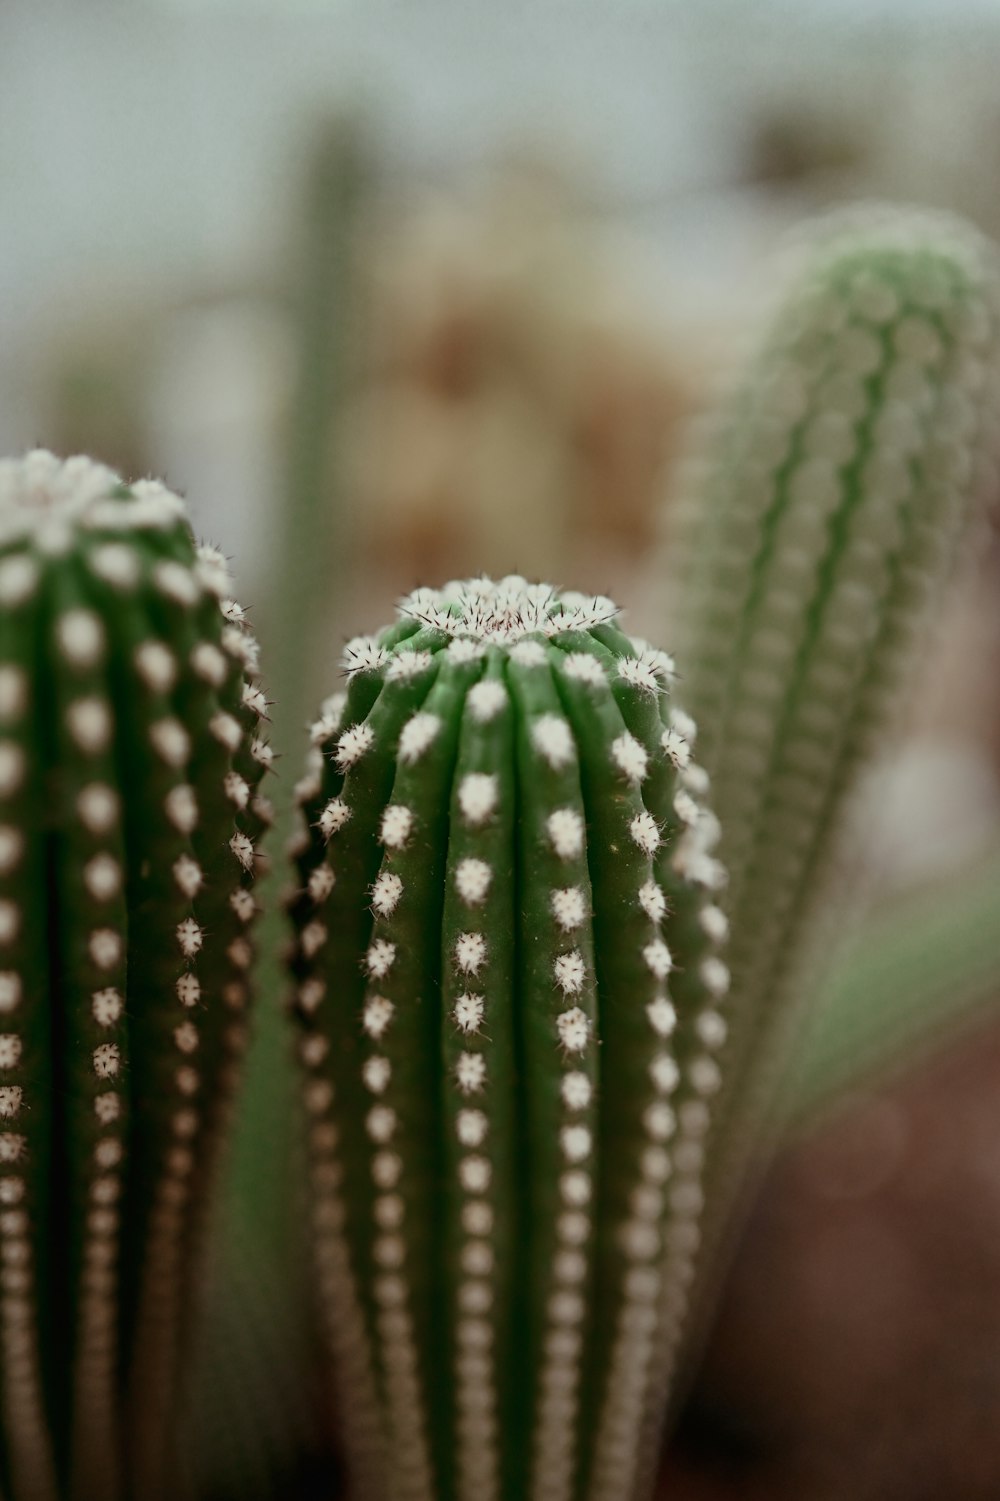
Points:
401	291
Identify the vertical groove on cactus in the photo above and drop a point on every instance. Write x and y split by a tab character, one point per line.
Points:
507	980
832	496
130	814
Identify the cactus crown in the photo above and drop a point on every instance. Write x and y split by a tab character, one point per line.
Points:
129	759
507	982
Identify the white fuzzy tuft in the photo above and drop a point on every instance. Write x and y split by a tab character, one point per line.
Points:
684	725
566	832
190	937
486	699
652	901
253	699
102	876
468	1012
478	794
11	849
10	1101
97	805
312	938
472	881
583	667
176	582
363	654
10	991
171	741
310	994
18	580
243	849
408	664
676	748
181	808
553	740
117	564
645	832
576	1091
470	1072
471	1127
333	817
226	730
105	947
570	972
470	952
80	637
715	976
528	654
573	1027
569	907
658	958
188	989
664	1073
353	744
321	882
712	1029
107	1060
188	875
418	734
377	1016
662	1016
89	723
630	757
380	958
376	1073
395	827
386	892
714	923
576	1142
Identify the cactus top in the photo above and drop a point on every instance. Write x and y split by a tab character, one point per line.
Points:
507	980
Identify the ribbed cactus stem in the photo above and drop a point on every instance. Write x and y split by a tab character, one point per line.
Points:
507	980
129	819
833	493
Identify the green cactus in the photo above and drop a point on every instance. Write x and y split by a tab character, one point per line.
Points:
835	490
130	758
509	990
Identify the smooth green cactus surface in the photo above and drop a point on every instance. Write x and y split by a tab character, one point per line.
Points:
833	491
508	984
129	761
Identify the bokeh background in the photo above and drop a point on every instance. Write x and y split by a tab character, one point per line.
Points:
441	287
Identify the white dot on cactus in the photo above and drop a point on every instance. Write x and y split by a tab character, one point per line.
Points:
474	1174
226	730
171	741
240	952
576	1142
645	832
376	1073
662	1016
576	1090
630	757
659	1121
312	938
468	1012
478	794
390	1251
80	637
664	1073
380	1123
476	1218
184	1124
188	875
253	699
639	674
108	1152
583	667
646	1201
486	699
566	830
102	877
176	582
107	1060
528	654
569	907
209	663
242	848
715	976
689	1157
106	1006
470	952
417	735
89	723
334	817
386	892
262	753
387	1167
11	1146
464	650
687	1199
186	1037
353	744
10	1100
658	958
380	958
187	1080
472	881
105	947
10	990
188	989
570	1266
117	564
705	1076
474	1334
18	580
407	664
395	826
321	882
471	1127
477	1258
363	654
711	1029
11	1190
156	666
214	573
553	740
714	923
570	972
377	1015
181	808
190	937
576	1188
639	1241
390	1211
685	807
236	789
652	901
470	1072
10	920
573	1027
98	807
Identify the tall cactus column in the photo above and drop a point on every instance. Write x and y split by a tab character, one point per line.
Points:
508	987
129	759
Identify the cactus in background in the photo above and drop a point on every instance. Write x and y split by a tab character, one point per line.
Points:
509	991
924	971
836	489
129	812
